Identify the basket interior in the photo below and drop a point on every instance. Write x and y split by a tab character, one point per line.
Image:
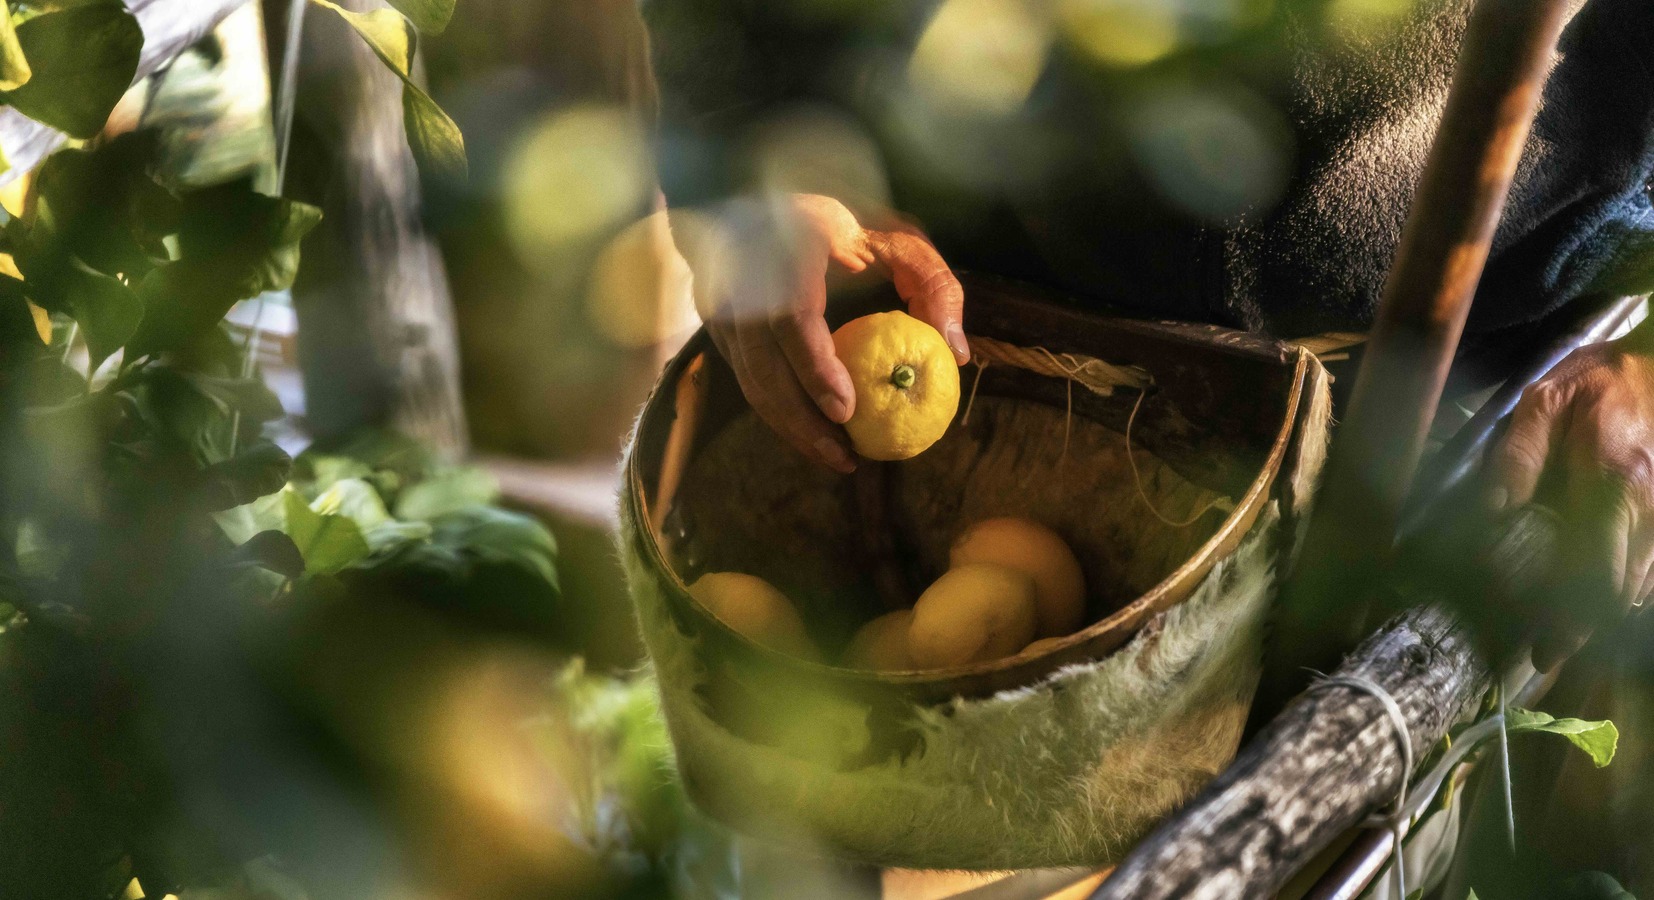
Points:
747	503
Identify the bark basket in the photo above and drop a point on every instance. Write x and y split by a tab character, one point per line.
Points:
1064	757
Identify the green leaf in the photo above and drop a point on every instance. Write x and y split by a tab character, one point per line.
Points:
244	522
429	16
437	144
448	492
259	471
83	61
14	66
354	499
108	311
1599	740
328	543
273	551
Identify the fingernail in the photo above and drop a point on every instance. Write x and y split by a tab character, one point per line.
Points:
956	340
1498	499
835	455
834	408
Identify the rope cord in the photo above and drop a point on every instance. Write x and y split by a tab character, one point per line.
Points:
1396	820
1097	376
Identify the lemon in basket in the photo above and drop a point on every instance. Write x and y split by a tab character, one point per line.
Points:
1037	551
754	609
881	645
972	614
907	384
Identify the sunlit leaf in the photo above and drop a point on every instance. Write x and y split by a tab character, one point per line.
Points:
108	311
328	543
83	61
1599	740
437	144
14	66
429	16
42	322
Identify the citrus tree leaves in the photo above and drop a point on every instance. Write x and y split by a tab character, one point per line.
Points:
328	542
437	144
429	16
14	65
83	59
1599	740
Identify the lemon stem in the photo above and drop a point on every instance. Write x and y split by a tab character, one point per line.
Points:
903	377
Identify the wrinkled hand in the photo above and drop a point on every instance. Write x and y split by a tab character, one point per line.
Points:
1582	441
760	274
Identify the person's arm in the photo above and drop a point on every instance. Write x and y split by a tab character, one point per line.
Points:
761	250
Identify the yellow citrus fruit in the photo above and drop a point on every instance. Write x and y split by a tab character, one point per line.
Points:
1036	550
756	610
907	384
972	614
881	645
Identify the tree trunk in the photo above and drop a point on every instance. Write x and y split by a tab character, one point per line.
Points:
376	330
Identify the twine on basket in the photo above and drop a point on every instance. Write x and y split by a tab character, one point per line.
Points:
1095	375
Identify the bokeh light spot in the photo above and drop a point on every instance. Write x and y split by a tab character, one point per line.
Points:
640	287
981	57
1121	33
1220	155
577	174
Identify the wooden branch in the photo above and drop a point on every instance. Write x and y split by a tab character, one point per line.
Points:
1508	49
170	27
1332	757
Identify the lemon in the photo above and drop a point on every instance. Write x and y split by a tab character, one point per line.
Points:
754	609
881	645
972	614
1037	551
907	384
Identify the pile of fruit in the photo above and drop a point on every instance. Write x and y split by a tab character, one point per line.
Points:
1012	586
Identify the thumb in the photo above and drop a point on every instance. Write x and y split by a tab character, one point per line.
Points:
924	281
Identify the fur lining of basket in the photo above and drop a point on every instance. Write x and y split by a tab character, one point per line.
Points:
1070	771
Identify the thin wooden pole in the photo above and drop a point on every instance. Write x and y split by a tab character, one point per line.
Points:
1495	95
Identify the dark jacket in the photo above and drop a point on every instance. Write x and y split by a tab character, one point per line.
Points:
1255	172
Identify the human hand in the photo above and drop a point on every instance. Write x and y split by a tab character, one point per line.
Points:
760	276
1582	439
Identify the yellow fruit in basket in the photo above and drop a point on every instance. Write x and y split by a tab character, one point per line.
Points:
907	384
881	645
1036	550
972	614
756	610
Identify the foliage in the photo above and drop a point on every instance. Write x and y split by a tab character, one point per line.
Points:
1599	740
67	63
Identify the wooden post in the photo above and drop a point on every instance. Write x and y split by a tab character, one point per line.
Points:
376	331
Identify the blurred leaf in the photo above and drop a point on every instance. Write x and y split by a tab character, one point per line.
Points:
108	311
485	564
271	550
182	301
437	144
429	16
83	61
14	66
447	492
259	471
249	396
1599	740
244	522
355	499
39	555
328	543
42	322
86	206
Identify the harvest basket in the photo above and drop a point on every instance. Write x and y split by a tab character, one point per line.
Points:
1175	460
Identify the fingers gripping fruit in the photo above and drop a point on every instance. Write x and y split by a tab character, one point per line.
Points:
756	610
972	614
881	645
907	384
1038	552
